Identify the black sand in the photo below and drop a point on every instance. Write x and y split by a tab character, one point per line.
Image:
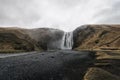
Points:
50	65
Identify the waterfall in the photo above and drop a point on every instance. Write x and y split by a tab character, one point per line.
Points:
67	40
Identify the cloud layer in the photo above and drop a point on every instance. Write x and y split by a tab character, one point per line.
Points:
61	14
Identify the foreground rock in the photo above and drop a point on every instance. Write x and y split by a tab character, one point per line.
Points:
97	37
53	65
106	66
99	74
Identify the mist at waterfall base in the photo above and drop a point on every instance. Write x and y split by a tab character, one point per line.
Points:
63	43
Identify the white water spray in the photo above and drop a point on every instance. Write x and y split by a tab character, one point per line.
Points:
67	40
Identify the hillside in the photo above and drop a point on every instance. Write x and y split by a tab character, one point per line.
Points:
46	38
13	40
18	39
97	37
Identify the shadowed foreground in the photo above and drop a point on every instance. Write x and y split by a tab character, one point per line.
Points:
106	66
51	65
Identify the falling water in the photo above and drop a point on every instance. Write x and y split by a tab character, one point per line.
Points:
67	40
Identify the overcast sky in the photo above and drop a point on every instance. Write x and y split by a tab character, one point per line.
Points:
61	14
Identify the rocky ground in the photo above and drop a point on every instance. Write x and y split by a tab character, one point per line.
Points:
51	65
61	65
106	66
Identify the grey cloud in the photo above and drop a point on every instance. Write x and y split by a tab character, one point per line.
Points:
17	12
58	13
110	15
67	3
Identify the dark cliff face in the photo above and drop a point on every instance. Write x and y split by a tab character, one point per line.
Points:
46	38
97	37
80	34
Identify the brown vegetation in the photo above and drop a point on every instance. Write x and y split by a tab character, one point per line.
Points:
13	40
97	37
99	74
105	41
106	66
18	39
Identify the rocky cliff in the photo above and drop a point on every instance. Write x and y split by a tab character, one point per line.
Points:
46	38
18	39
97	37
